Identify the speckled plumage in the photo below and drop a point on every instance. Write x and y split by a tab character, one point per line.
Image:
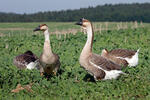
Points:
21	61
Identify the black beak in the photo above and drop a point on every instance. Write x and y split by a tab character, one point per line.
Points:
78	23
37	29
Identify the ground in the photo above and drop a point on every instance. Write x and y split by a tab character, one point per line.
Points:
72	81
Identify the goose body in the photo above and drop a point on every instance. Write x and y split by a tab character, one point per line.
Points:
98	66
48	60
27	60
122	56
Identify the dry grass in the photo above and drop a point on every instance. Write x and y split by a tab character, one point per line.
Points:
14	29
1	34
60	29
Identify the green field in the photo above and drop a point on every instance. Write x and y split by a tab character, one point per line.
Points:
72	81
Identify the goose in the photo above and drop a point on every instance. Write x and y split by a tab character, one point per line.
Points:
96	65
122	56
48	60
27	60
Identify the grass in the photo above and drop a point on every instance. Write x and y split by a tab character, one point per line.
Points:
71	83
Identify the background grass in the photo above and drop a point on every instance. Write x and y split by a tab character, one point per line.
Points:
71	82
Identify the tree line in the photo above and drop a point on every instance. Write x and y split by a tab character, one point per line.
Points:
107	12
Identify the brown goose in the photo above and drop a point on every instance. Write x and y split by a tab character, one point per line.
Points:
49	60
122	56
96	65
27	60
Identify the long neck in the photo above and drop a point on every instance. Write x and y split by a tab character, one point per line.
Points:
46	34
89	43
47	47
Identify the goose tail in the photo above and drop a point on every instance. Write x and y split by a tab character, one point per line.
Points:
138	50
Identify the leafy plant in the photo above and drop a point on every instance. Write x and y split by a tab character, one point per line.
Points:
72	81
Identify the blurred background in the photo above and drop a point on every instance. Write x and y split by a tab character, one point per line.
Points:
69	10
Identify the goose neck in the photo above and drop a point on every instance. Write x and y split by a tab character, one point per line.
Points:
89	43
47	46
46	34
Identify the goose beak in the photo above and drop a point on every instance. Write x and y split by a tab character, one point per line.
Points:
37	29
78	23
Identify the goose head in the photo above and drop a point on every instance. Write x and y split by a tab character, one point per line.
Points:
42	27
28	52
84	23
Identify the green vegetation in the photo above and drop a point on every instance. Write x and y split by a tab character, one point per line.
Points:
108	12
71	82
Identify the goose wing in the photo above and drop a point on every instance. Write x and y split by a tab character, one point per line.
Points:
104	63
22	60
122	53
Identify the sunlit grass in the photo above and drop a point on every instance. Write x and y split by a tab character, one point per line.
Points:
71	82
